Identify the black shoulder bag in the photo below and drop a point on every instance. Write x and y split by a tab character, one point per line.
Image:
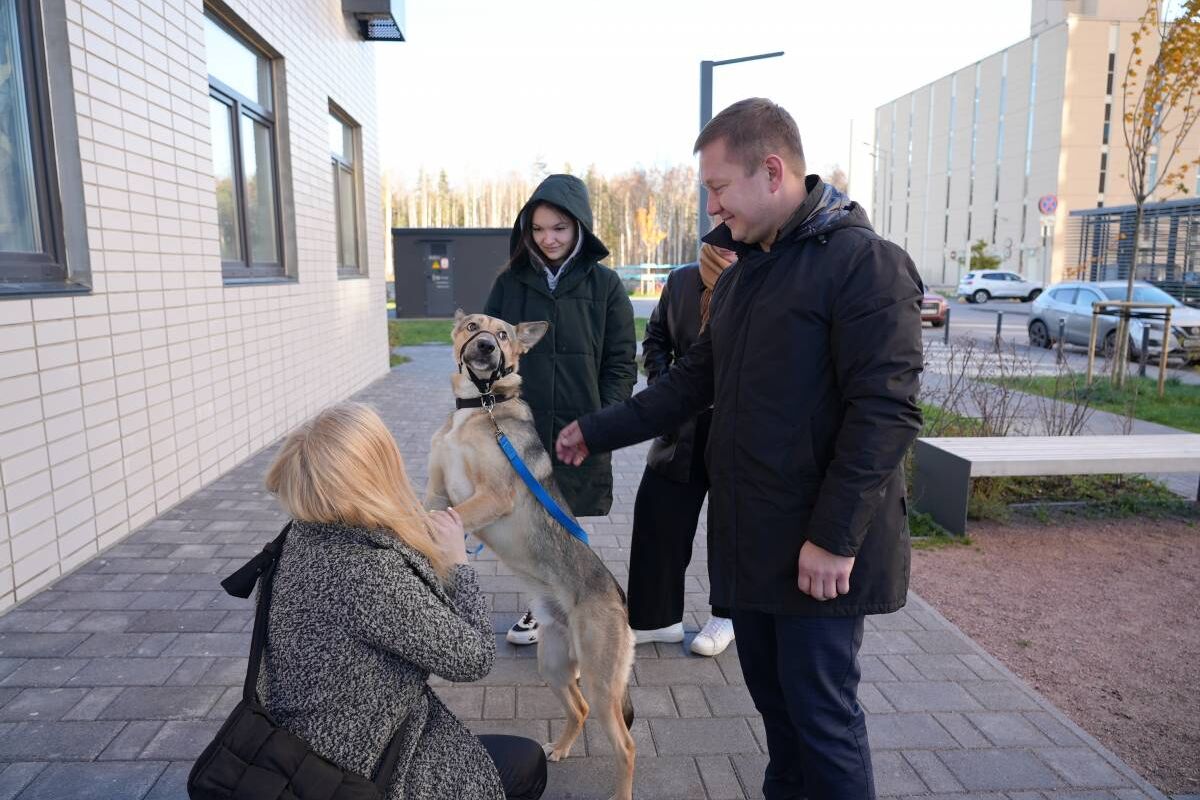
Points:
254	758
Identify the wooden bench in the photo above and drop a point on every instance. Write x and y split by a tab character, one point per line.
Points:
944	466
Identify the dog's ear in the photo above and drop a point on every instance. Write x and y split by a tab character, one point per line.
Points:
458	315
530	333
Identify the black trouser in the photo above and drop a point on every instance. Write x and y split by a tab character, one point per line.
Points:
664	524
521	763
803	675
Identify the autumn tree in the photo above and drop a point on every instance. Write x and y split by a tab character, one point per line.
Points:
648	230
1160	107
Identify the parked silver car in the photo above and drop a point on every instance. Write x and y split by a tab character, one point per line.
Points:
1072	302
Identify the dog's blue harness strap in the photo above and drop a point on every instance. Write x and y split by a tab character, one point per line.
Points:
539	491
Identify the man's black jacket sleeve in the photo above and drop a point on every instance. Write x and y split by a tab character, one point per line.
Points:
876	354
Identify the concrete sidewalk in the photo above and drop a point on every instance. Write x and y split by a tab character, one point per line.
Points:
114	678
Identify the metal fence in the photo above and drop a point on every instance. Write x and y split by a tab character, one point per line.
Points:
1100	245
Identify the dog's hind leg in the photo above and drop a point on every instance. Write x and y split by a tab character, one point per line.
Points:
604	645
557	668
436	497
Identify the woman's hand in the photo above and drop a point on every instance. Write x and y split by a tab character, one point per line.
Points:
448	534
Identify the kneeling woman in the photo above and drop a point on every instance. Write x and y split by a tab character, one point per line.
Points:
371	596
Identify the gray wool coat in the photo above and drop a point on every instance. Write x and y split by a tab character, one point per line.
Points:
358	622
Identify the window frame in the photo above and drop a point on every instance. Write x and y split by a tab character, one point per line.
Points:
63	264
354	168
247	270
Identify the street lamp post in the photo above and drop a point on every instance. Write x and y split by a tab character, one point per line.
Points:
706	71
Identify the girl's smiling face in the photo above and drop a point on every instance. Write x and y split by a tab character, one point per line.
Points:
553	233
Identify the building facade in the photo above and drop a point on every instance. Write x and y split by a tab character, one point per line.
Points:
191	252
1005	148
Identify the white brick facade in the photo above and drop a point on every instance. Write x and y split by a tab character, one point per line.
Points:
117	404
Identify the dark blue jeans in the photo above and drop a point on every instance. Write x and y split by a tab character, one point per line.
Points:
803	675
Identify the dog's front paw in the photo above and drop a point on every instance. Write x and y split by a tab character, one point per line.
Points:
554	753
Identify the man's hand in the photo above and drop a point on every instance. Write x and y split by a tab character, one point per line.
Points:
823	575
570	447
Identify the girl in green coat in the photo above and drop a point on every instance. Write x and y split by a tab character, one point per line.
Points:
586	360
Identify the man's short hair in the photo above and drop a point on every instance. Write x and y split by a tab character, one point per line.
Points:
753	129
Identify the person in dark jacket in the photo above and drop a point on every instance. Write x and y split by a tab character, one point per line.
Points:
585	362
811	361
675	481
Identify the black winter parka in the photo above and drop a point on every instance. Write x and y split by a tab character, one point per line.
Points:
812	360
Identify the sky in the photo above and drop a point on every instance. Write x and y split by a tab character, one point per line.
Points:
486	87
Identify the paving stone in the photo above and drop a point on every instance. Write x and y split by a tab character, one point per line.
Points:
181	740
225	705
1008	729
702	737
902	668
966	734
536	729
1082	767
16	777
599	745
89	601
107	621
750	770
895	731
942	667
678	671
172	784
932	771
499	702
729	701
1000	696
38	645
224	672
177	621
941	641
690	701
888	642
55	741
719	777
466	702
513	672
126	672
652	701
18	620
209	644
131	741
1059	733
894	776
999	770
44	672
105	645
900	620
162	702
41	704
191	671
872	700
874	670
666	778
981	667
95	701
928	696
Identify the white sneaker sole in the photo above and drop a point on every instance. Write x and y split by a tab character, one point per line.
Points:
520	639
708	647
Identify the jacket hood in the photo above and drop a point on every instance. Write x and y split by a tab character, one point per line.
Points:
570	194
823	211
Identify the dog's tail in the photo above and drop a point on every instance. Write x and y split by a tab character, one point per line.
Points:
627	709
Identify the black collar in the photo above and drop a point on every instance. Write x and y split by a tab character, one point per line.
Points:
483	400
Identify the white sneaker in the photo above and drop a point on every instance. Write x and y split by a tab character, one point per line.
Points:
524	630
714	638
669	634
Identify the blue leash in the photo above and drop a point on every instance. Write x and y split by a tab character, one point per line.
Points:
539	491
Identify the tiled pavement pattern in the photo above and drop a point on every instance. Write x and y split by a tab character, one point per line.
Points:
115	677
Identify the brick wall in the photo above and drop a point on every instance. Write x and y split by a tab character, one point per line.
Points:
116	405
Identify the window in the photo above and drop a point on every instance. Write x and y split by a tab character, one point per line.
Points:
245	164
1064	296
1086	298
43	234
343	147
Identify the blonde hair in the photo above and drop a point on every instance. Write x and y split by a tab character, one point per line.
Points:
342	467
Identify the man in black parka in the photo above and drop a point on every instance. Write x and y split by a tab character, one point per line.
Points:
811	359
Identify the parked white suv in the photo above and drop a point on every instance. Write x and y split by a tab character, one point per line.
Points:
979	287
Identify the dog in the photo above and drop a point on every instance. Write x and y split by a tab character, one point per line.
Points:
580	607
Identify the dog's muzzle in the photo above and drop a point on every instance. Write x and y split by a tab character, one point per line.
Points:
485	349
